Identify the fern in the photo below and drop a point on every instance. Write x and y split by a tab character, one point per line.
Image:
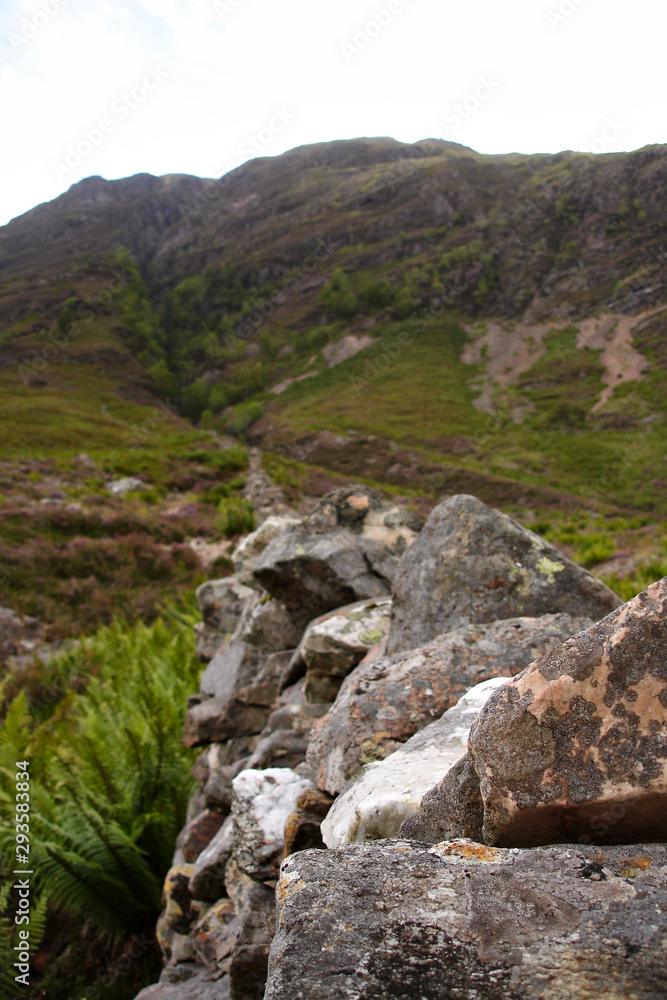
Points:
109	775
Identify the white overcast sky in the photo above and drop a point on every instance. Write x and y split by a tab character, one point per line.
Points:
559	74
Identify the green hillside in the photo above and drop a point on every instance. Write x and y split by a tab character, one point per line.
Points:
420	317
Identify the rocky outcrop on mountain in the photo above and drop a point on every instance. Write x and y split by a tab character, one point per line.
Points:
568	741
387	699
395	919
471	563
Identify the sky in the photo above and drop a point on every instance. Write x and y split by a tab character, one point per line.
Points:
94	87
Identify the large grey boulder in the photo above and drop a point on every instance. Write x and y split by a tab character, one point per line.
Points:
386	700
387	792
473	563
395	920
345	551
576	745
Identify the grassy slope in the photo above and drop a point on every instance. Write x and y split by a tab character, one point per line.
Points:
76	562
561	236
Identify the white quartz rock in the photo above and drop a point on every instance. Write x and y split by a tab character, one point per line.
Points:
386	792
261	804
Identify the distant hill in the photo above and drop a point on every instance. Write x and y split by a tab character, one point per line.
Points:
421	316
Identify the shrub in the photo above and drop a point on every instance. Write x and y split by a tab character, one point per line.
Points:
337	297
243	417
595	549
235	516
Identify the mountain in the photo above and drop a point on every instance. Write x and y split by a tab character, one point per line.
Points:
423	317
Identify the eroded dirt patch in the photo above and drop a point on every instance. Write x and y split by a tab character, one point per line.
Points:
509	349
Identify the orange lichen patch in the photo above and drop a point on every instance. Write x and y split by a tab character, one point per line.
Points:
468	850
642	863
287	885
359	503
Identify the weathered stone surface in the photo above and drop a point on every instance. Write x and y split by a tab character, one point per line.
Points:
387	792
248	682
250	953
281	748
208	877
382	703
221	603
394	920
262	801
345	551
270	628
284	740
303	826
199	833
473	563
217	784
252	546
179	912
214	936
576	746
194	983
451	810
334	643
216	719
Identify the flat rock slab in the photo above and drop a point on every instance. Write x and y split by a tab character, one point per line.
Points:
262	801
334	644
389	791
472	562
394	920
576	746
386	700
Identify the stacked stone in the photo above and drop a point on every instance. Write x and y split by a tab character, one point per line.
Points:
490	725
